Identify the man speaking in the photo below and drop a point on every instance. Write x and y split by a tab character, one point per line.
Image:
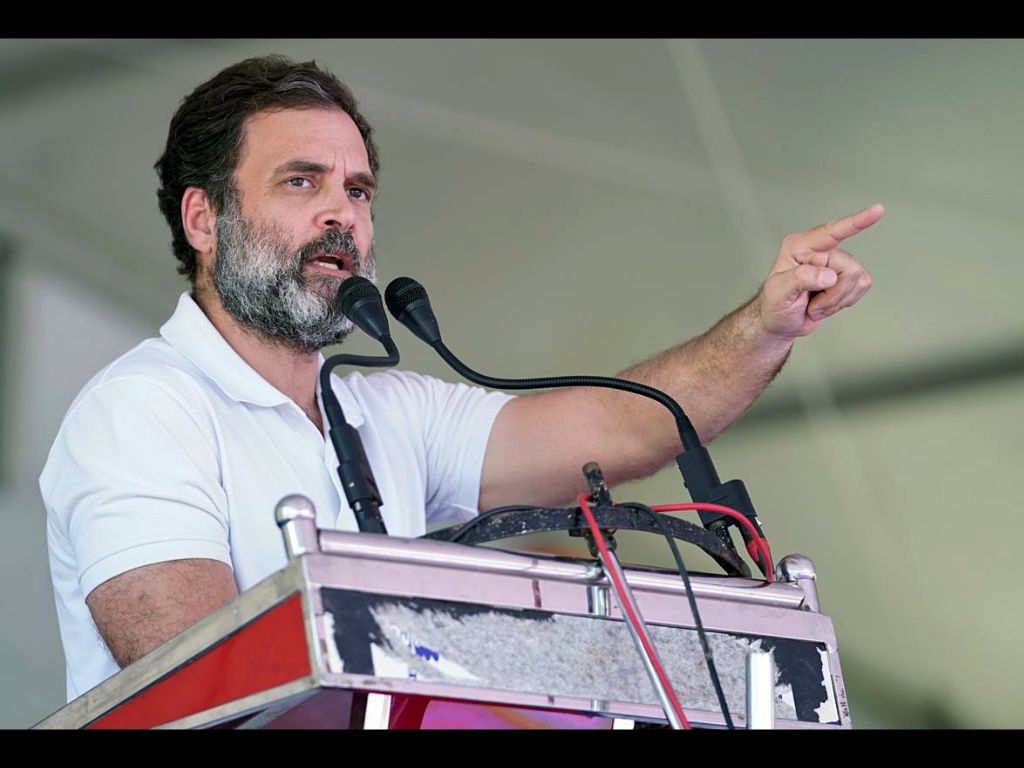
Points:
161	482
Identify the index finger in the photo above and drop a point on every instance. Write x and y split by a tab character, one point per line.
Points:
828	236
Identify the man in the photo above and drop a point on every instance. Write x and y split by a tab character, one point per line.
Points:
161	483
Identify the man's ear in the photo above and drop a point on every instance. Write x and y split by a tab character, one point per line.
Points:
199	220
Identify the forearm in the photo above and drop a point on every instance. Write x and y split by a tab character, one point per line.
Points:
715	377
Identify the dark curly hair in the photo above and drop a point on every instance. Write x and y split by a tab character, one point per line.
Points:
204	142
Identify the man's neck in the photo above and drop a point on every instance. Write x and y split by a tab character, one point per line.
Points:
291	371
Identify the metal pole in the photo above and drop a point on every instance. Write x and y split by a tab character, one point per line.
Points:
612	565
760	691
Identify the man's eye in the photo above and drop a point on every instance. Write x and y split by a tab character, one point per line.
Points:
298	182
359	194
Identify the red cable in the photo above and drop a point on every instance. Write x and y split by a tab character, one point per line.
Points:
631	617
760	542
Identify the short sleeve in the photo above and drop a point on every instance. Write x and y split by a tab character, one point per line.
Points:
457	429
133	479
448	427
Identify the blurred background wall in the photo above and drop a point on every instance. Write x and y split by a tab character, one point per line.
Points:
576	206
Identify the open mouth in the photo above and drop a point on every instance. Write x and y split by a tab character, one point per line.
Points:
337	263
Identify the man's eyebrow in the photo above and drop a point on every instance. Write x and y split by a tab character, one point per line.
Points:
311	166
365	180
300	166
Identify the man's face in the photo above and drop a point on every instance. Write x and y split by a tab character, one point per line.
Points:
299	224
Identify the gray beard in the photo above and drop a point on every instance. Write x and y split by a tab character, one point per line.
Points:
262	286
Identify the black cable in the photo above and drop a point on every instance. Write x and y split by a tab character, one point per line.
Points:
687	434
408	302
332	407
695	465
693	607
368	361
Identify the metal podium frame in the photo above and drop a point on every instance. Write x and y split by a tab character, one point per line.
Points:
355	619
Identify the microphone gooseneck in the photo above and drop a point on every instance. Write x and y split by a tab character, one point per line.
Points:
408	303
360	301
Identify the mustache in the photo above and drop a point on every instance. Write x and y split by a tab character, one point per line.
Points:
333	241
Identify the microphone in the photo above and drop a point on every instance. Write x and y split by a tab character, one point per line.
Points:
359	300
408	303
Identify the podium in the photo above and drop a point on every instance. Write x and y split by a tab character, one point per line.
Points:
359	628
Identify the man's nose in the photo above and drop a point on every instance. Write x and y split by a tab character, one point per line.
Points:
340	213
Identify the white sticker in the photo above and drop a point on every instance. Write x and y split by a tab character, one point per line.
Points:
452	670
828	712
335	663
386	665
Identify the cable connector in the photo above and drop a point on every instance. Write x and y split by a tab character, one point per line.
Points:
701	480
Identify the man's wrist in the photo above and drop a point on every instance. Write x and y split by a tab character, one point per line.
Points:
757	335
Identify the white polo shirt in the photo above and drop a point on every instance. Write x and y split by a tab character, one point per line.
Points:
179	449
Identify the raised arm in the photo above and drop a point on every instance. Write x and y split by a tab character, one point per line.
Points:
539	443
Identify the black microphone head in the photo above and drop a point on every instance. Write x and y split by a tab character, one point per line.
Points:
409	304
401	292
359	300
351	291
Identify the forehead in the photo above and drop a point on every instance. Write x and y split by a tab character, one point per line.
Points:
328	136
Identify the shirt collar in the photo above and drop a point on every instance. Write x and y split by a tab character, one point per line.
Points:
192	334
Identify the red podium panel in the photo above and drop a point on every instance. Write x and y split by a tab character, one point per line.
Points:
265	654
